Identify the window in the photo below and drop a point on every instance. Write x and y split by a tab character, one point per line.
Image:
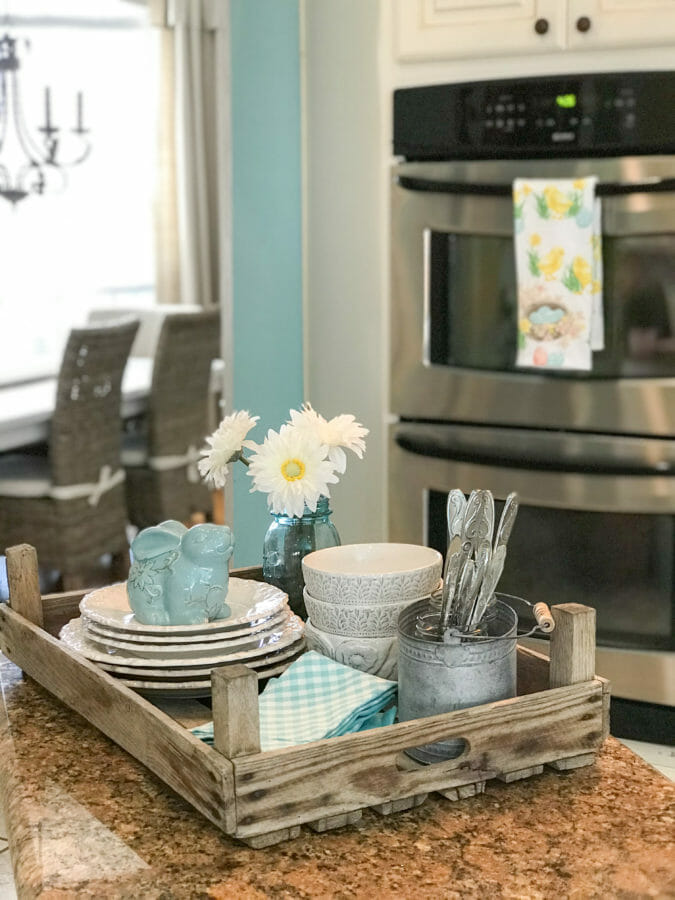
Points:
91	245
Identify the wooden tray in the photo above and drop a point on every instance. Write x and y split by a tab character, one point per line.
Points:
559	718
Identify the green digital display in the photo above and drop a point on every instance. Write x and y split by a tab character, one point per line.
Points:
566	101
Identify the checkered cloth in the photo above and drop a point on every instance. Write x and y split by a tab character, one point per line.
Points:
316	698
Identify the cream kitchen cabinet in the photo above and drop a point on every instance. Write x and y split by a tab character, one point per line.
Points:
452	29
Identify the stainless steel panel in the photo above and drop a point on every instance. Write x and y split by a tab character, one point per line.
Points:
648	676
536	449
622	215
635	674
411	477
421	390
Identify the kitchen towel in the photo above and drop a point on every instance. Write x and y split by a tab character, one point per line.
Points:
316	698
557	228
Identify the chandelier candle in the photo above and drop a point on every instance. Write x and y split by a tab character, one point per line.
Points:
35	165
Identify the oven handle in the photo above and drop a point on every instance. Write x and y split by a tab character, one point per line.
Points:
529	450
487	189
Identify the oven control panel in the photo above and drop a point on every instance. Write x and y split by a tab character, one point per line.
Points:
600	114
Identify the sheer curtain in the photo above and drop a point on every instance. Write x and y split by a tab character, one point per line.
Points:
194	203
194	207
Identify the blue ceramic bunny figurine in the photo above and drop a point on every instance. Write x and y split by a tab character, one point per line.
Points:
179	575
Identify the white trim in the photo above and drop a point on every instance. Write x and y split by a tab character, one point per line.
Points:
177	461
107	480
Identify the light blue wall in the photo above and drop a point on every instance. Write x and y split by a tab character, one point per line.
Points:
267	247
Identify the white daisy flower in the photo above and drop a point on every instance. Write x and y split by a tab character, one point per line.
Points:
292	469
341	431
225	446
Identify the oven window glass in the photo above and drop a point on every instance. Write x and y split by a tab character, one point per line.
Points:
473	308
622	564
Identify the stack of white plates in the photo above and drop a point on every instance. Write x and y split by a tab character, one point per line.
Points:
177	660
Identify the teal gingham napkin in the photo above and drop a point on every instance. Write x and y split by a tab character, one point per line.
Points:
317	698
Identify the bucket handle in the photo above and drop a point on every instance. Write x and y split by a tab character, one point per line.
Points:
544	621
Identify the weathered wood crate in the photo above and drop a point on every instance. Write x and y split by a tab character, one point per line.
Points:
559	718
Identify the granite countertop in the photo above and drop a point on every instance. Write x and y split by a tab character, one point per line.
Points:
85	819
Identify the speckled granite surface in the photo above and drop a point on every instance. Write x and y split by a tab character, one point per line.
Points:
87	820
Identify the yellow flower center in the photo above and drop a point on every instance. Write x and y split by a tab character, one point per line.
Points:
293	469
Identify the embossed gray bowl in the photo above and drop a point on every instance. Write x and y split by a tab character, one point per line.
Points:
378	656
372	573
365	620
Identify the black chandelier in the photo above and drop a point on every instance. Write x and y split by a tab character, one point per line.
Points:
39	166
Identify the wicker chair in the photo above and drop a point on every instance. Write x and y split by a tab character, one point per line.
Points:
160	458
69	502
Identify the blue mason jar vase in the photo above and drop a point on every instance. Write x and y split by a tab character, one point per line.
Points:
288	540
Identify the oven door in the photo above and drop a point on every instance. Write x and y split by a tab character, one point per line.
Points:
453	316
596	525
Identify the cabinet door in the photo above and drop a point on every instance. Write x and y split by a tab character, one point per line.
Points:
450	29
620	23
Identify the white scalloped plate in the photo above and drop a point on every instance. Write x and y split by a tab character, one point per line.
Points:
193	690
194	673
103	633
250	602
73	635
225	645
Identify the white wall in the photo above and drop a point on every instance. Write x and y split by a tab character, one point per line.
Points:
349	75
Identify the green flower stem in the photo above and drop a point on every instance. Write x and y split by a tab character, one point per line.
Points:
239	456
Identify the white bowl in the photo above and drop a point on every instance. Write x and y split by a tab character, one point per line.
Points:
372	573
365	620
378	656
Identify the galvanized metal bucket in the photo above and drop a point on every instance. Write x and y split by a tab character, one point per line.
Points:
437	676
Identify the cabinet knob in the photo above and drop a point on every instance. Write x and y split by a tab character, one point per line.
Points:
541	26
583	24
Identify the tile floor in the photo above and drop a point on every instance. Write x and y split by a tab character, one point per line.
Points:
661	757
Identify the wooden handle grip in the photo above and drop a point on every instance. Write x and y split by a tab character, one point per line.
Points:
543	616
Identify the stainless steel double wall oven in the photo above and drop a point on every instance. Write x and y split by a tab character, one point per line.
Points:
591	454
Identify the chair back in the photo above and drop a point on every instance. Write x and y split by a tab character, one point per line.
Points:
86	430
178	409
150	322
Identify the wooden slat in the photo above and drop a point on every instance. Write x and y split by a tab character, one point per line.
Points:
236	720
330	777
24	582
572	644
606	701
195	771
519	774
464	791
250	573
532	671
188	713
58	609
572	762
269	838
394	806
330	823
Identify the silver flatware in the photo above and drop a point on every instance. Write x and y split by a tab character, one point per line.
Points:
487	588
454	511
483	557
506	520
451	584
478	518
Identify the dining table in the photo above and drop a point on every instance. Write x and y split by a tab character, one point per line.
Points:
26	409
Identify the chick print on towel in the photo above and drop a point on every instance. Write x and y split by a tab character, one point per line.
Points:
558	265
